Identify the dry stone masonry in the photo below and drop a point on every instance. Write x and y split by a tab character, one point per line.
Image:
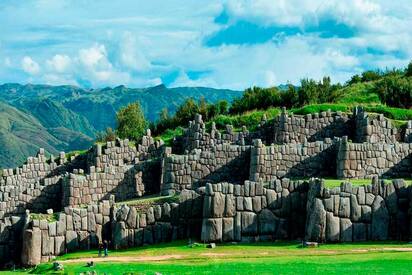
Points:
214	186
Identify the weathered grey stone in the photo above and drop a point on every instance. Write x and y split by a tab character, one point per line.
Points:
345	230
247	204
344	207
71	240
238	227
212	230
218	205
316	221
249	223
59	245
150	219
157	212
230	209
380	219
366	213
31	254
355	209
332	227
257	204
369	198
361	196
228	229
131	218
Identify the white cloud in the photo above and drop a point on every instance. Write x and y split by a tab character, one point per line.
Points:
130	54
94	56
59	63
30	66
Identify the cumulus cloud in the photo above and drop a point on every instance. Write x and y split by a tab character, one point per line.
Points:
30	66
130	55
59	63
94	56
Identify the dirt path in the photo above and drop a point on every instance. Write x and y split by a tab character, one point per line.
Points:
222	255
125	259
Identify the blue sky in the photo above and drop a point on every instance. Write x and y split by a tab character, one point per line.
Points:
222	44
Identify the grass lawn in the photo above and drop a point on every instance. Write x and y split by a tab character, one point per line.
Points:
356	182
259	258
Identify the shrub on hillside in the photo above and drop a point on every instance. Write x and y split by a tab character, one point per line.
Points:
395	91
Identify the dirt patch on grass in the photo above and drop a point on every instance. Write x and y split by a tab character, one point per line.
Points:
125	259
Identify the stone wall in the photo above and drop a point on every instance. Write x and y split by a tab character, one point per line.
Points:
160	222
312	127
374	129
253	212
121	169
35	185
366	160
293	160
351	213
224	162
74	229
197	137
123	226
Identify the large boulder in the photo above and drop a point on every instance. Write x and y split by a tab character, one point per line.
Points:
380	220
316	221
332	227
218	203
31	252
212	230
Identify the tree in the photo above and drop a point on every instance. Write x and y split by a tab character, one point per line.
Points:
186	112
223	107
203	108
370	76
408	71
395	91
131	122
164	114
308	92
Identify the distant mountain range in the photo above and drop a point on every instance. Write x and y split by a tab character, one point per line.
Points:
66	118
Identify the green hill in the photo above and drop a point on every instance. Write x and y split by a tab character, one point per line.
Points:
68	117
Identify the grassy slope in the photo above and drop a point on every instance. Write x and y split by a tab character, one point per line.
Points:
21	135
262	258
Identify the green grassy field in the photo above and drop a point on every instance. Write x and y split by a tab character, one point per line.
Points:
259	258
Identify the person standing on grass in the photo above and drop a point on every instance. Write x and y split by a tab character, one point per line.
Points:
106	247
100	248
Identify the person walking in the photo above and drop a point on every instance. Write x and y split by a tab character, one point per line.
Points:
106	248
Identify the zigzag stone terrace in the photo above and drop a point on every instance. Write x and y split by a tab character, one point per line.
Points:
214	186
